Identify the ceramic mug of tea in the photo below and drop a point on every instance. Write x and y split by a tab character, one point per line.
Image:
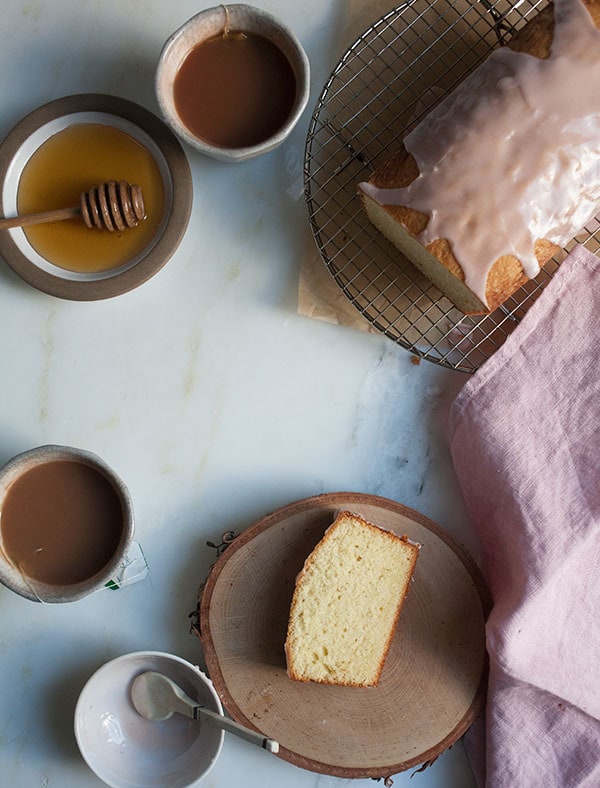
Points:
232	82
66	523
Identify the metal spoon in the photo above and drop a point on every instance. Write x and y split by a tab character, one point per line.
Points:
157	697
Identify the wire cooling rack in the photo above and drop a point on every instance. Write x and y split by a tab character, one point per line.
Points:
381	88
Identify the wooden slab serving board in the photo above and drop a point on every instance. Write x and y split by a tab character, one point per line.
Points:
433	682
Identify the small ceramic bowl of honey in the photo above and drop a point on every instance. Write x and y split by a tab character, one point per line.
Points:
65	148
66	523
232	82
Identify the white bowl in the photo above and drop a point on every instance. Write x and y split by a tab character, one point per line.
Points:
128	751
210	23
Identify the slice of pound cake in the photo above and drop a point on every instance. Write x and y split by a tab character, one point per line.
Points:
346	603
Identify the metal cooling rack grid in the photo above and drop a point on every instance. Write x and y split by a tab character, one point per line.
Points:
381	87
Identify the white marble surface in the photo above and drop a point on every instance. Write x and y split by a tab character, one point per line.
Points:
206	391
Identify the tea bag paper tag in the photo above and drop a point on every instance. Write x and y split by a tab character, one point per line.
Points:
132	569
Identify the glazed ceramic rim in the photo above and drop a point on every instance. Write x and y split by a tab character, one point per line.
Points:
244	17
11	577
33	130
133	657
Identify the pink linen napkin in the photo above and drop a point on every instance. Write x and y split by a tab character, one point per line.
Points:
525	441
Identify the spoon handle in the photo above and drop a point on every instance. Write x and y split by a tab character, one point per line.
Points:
219	721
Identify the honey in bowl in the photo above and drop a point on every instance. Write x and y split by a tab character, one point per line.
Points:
61	522
71	162
235	90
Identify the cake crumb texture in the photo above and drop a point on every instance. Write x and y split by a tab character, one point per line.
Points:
346	603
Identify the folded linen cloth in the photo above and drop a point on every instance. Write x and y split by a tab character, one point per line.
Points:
525	442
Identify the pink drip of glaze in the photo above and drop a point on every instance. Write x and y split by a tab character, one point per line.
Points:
521	164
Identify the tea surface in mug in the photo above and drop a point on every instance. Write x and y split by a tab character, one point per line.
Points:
61	522
235	90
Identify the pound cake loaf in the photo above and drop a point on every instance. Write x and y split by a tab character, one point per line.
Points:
506	169
346	603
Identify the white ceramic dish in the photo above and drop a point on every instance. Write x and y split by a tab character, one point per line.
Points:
144	127
210	23
124	749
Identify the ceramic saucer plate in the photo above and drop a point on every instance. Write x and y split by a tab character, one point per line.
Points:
41	124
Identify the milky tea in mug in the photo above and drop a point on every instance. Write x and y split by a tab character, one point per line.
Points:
65	521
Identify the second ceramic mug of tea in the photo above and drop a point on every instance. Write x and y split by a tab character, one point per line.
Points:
66	523
232	82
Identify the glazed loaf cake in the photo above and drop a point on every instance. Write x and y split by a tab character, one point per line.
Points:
506	169
346	603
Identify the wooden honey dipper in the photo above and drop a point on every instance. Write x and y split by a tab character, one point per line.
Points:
110	206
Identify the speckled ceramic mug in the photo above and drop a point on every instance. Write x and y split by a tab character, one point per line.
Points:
211	23
43	489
